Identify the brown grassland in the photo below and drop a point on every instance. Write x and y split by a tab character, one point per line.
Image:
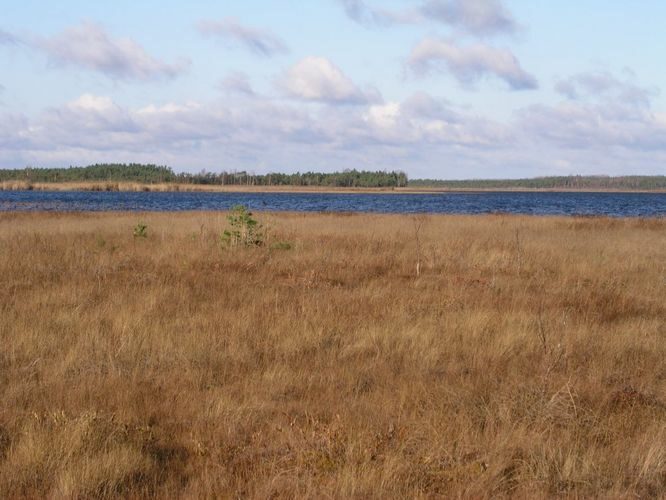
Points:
214	188
526	360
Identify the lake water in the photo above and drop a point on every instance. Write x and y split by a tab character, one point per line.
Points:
602	204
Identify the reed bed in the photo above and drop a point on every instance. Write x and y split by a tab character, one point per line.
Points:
191	188
526	358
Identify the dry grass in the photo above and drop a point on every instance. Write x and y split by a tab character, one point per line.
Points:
198	188
526	360
100	186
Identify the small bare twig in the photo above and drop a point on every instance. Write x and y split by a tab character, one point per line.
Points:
418	221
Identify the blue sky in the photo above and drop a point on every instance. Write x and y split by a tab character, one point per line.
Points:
437	88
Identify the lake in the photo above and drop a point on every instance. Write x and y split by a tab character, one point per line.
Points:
530	203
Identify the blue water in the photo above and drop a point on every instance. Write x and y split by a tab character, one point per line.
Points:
602	204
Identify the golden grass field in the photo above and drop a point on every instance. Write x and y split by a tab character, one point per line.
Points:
526	360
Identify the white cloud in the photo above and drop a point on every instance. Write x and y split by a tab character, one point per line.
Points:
479	17
424	105
261	42
470	64
89	46
168	108
362	13
594	126
601	111
383	115
89	102
239	134
602	85
88	120
318	79
423	120
422	134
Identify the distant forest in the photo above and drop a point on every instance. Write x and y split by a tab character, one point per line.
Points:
132	172
636	182
156	174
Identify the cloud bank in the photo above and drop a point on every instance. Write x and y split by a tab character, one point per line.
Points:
600	111
422	134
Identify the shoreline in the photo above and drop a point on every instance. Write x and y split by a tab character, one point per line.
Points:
110	186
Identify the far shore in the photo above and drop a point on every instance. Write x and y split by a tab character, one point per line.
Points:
208	188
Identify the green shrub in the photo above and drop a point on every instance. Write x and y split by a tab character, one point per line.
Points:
245	231
141	230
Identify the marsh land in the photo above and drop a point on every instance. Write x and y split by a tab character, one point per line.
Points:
163	187
161	178
525	357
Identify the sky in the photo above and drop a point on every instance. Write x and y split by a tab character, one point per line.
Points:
447	89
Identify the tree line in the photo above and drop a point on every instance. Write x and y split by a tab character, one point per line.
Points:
157	174
348	178
636	182
154	174
118	172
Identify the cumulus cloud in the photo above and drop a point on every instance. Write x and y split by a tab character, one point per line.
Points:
423	134
244	134
318	79
89	102
89	46
470	64
261	42
421	120
79	123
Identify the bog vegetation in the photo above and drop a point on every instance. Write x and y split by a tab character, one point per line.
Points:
107	177
524	356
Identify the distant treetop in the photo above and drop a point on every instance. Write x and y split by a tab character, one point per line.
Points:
154	174
157	174
635	182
